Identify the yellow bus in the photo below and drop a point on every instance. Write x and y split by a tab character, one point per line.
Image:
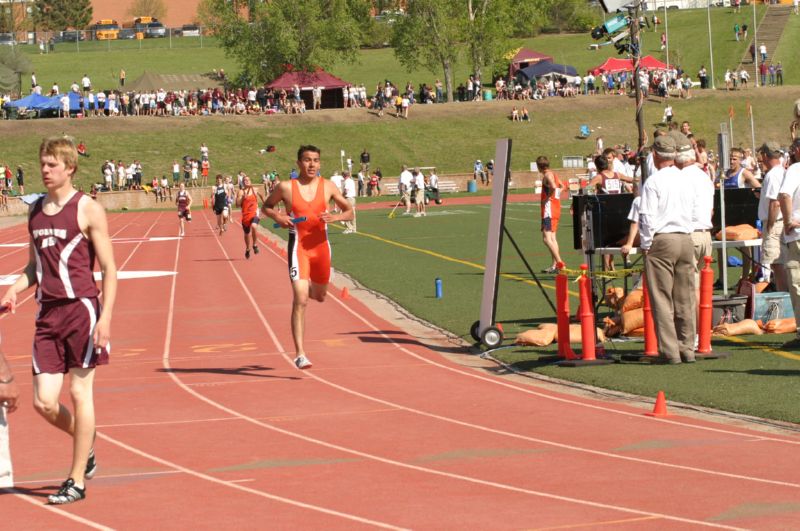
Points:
106	29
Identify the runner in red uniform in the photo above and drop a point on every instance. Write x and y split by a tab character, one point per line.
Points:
247	198
309	252
68	230
551	209
184	203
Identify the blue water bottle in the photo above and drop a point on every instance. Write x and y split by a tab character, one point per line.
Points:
438	284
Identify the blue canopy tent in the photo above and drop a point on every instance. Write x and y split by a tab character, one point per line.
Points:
54	103
32	101
546	68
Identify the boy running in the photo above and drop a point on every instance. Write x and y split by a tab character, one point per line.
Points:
220	197
309	252
247	198
184	203
67	231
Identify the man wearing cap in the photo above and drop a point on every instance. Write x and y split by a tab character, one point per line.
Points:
703	189
769	212
789	199
665	224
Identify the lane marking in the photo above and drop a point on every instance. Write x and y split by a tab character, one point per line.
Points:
103	476
595	524
7	280
54	509
400	464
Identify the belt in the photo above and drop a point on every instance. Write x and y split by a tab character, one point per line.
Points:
702	230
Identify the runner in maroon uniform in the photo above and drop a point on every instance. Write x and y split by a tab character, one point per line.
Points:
68	229
184	202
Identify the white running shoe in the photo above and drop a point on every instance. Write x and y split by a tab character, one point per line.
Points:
301	362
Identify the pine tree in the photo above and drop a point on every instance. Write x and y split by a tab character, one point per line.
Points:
56	15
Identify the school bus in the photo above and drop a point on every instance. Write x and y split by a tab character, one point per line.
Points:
106	29
148	27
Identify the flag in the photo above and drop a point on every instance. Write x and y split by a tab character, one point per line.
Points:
341	153
730	111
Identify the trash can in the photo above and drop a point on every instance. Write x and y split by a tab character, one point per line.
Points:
487	95
472	186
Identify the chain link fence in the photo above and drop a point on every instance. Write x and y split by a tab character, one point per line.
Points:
189	36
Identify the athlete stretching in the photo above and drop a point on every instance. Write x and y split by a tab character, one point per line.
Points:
247	198
309	252
68	229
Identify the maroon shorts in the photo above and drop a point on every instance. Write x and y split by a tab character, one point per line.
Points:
63	338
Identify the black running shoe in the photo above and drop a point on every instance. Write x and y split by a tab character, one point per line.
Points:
68	493
256	249
247	254
91	466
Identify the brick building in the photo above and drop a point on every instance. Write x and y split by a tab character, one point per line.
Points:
179	12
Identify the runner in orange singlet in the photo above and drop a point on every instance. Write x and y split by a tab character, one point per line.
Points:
551	209
309	252
248	198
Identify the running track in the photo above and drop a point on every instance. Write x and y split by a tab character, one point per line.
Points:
204	422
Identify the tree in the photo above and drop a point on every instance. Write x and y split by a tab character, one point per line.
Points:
430	35
56	15
488	27
13	64
148	8
268	38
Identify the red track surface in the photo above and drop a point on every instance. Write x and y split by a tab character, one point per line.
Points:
203	422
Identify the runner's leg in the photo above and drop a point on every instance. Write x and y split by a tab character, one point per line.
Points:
81	391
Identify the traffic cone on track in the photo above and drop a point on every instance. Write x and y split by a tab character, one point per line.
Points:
345	293
660	409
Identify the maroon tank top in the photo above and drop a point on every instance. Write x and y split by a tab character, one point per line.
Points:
64	256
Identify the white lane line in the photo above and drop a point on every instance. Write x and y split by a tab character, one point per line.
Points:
54	509
102	476
400	464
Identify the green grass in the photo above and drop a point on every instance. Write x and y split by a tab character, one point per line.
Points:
450	137
787	51
688	47
747	382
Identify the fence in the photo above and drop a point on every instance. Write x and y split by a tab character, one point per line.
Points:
123	39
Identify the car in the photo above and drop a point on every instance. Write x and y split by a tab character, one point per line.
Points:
126	33
155	30
190	30
69	36
7	39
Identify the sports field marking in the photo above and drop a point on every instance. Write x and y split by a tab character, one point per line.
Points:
380	459
166	365
54	509
596	524
771	350
215	348
14	244
103	476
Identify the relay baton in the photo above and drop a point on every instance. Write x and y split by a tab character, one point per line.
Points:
294	220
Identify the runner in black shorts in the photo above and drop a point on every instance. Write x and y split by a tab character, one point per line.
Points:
72	330
220	198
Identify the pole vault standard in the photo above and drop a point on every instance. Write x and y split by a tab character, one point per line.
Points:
485	330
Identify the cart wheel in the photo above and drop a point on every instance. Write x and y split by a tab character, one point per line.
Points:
474	331
492	337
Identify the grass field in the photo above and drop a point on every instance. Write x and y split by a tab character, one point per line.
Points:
688	30
449	137
406	254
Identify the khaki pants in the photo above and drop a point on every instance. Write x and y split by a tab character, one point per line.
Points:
670	282
351	224
792	265
701	241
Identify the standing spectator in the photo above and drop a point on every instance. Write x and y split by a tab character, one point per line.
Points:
736	30
489	171
419	192
779	73
363	177
763	51
433	184
702	74
316	94
477	171
762	70
122	77
349	193
769	212
365	160
665	226
87	84
203	151
439	94
744	32
752	52
789	200
771	70
404	186
550	201
20	180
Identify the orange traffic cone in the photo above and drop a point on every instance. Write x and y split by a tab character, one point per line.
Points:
283	253
660	409
345	293
499	326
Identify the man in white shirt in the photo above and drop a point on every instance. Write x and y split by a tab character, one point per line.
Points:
769	212
419	192
349	192
87	84
789	200
703	188
665	227
337	180
406	180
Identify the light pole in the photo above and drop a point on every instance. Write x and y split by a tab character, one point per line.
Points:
666	31
710	45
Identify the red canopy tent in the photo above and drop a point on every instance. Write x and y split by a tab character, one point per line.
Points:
331	86
614	65
524	58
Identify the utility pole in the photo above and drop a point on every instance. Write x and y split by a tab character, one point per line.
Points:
636	54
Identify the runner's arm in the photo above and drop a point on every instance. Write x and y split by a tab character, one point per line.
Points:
269	209
98	234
